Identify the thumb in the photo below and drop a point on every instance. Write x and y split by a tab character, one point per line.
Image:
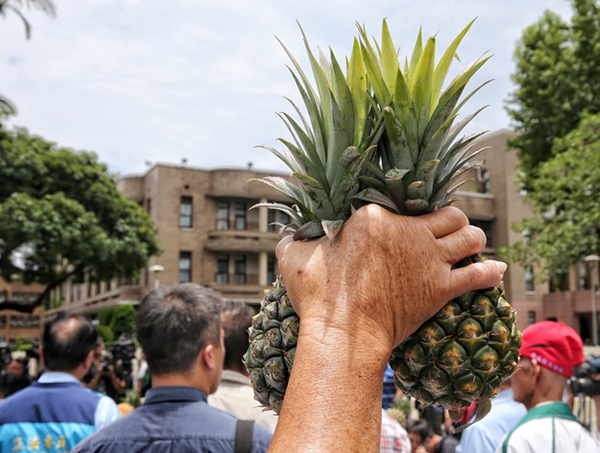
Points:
485	274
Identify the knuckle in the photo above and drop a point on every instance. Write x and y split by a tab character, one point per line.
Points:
475	237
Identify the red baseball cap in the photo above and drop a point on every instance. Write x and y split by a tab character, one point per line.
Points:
554	346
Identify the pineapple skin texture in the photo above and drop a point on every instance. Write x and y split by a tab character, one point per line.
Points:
273	340
461	355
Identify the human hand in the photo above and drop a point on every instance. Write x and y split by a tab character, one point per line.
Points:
384	274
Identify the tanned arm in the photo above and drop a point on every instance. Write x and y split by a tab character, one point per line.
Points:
357	298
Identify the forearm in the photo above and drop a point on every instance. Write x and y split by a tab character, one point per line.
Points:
336	377
93	385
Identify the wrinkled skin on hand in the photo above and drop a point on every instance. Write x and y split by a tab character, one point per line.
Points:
391	272
358	297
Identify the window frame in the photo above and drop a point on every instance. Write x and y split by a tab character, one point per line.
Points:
186	201
183	255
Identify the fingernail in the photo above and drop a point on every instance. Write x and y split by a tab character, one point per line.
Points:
501	266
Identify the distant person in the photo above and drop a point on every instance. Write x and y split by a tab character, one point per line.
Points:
424	440
549	352
16	377
56	412
235	394
102	376
179	330
394	438
486	435
389	388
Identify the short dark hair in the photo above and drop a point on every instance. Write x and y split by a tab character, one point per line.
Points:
420	427
67	341
237	319
173	325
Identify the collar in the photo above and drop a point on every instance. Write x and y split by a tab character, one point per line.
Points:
174	394
53	377
235	377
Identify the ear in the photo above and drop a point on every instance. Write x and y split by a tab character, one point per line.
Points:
536	369
88	360
207	356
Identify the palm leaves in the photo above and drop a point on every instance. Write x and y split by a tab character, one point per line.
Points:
46	6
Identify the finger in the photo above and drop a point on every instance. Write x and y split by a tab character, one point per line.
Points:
485	274
467	241
445	221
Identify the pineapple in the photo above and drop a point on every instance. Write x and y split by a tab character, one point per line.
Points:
327	158
471	345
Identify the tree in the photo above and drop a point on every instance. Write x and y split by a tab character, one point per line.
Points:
15	6
62	216
118	319
566	221
557	79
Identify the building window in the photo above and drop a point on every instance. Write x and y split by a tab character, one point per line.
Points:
271	269
222	269
2	321
185	267
584	282
239	277
24	298
149	206
486	226
222	215
531	317
25	321
529	286
185	212
240	216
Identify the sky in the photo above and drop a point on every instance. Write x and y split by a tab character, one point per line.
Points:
141	81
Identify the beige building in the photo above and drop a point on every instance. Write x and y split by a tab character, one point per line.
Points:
208	233
210	237
15	324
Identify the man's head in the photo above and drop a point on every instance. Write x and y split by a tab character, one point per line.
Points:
179	330
17	368
98	350
418	432
68	344
549	353
237	319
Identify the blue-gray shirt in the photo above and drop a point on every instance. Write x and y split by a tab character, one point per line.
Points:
173	419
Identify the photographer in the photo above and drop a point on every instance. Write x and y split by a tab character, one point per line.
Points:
102	376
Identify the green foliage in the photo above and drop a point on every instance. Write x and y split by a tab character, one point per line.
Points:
62	211
105	333
557	78
118	320
23	344
566	207
133	398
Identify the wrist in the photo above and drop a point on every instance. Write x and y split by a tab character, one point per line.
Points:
361	340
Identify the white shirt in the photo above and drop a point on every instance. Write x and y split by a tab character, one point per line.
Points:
550	434
235	396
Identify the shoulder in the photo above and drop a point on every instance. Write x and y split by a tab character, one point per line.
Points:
530	437
261	438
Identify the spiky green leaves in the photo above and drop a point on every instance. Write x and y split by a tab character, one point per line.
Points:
328	151
419	137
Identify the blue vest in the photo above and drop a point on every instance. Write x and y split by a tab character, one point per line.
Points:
50	417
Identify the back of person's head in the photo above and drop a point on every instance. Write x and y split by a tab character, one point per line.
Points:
67	341
237	319
420	427
174	324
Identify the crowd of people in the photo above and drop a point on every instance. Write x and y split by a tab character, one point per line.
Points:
198	395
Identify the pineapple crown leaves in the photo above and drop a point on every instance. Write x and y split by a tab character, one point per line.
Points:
329	146
419	151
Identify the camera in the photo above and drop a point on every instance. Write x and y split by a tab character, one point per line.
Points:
105	367
583	383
